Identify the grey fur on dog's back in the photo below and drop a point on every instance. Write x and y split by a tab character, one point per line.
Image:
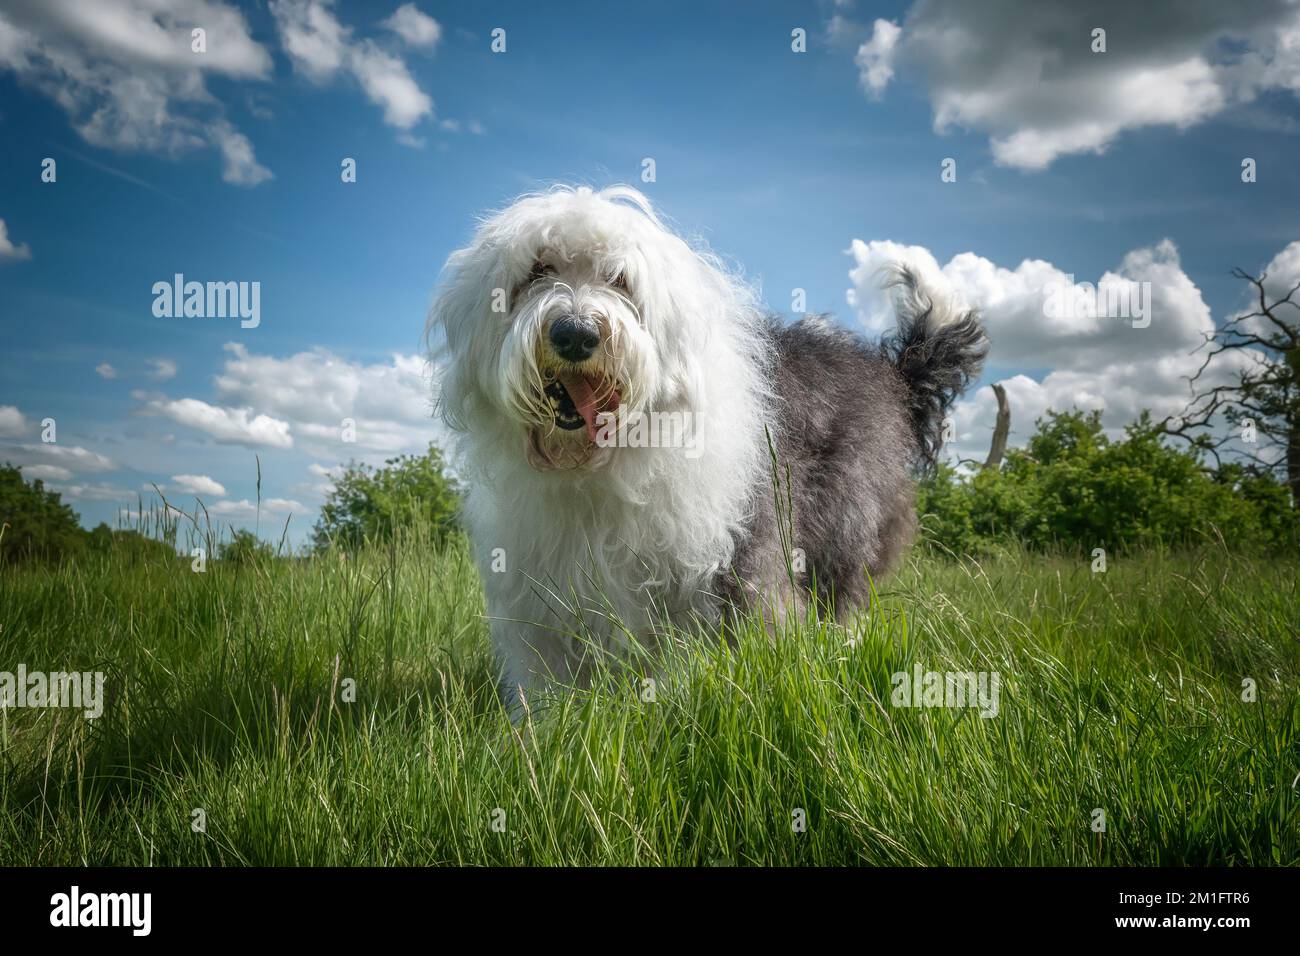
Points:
854	419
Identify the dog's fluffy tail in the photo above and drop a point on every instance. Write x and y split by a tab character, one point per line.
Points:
938	350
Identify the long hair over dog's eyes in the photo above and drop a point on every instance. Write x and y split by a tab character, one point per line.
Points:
619	282
539	270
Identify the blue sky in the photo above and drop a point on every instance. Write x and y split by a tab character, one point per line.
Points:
1084	162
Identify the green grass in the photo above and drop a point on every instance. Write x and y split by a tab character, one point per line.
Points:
1120	691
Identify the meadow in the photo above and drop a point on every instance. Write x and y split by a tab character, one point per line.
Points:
341	711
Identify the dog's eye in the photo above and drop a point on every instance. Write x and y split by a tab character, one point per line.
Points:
538	270
619	282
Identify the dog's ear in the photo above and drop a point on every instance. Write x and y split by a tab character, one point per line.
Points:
686	301
460	329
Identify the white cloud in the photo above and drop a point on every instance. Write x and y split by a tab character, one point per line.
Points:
415	28
1179	95
1282	275
1095	361
199	485
229	426
320	48
320	489
249	509
12	422
317	491
316	390
388	84
104	370
7	248
845	32
1014	304
95	491
127	77
315	41
238	164
73	457
1025	72
162	369
264	400
875	58
46	473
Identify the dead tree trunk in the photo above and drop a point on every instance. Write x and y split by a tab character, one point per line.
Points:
1293	464
1000	431
1293	430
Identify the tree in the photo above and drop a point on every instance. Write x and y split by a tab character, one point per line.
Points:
34	523
369	503
244	548
1261	400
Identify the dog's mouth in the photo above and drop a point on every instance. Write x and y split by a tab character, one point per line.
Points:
577	398
578	402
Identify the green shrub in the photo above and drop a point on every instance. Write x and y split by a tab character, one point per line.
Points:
368	504
244	547
1071	487
126	544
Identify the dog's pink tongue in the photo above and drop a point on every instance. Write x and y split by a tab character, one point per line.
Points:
583	392
584	399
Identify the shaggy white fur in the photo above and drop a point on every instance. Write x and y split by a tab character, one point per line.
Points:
570	536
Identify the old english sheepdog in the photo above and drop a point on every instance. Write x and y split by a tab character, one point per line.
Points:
643	443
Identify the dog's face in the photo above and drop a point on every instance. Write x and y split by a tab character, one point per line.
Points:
569	307
577	347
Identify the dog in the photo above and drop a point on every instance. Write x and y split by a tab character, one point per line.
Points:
643	443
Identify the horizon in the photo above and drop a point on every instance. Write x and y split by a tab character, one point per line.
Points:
805	170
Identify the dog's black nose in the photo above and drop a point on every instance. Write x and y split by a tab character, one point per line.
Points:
574	337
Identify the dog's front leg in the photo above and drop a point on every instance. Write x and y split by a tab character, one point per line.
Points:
528	657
